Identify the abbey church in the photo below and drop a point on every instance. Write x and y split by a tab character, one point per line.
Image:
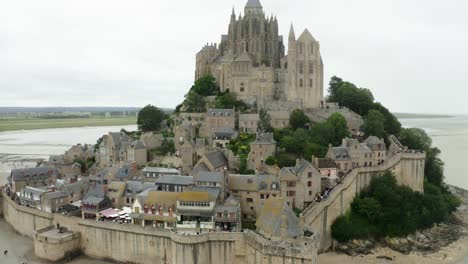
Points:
251	62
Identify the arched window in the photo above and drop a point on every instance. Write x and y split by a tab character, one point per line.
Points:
300	83
301	68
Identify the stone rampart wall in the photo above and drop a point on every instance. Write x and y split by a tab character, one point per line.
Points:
408	169
132	243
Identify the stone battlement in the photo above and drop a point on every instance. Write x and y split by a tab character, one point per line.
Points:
136	244
408	168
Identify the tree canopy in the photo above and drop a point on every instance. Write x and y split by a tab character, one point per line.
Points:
205	86
374	124
228	100
264	123
298	119
150	118
388	209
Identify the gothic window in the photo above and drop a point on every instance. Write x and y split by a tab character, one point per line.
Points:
311	48
300	48
311	83
285	65
301	68
311	68
300	83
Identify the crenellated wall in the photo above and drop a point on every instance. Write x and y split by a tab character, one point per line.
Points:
408	169
134	244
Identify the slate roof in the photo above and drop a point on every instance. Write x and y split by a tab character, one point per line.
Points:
174	179
264	138
221	112
341	153
242	182
119	138
253	3
212	191
243	57
55	195
161	170
164	199
326	163
21	174
199	168
271	216
374	142
207	176
216	158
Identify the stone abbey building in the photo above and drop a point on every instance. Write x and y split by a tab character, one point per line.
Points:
251	62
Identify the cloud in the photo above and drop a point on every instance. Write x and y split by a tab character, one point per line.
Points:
411	54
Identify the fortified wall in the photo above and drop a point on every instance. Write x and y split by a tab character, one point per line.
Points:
134	244
408	169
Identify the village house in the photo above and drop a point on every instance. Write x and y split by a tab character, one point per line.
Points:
118	147
53	200
213	161
261	148
195	210
173	183
133	188
248	123
33	177
78	151
217	119
32	196
252	191
115	193
300	184
222	136
156	209
227	215
94	202
155	172
326	167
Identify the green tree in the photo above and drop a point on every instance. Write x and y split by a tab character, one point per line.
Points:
229	100
298	119
270	161
374	124
415	138
334	86
264	124
195	103
167	146
339	127
205	86
150	118
392	125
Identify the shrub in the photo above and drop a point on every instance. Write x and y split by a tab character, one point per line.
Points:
270	161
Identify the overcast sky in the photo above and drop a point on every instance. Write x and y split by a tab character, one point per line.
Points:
411	54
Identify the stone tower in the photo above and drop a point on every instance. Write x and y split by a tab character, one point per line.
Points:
255	34
305	70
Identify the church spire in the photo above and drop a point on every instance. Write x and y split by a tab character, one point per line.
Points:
233	15
292	36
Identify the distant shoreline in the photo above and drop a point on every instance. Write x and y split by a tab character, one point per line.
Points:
38	123
407	115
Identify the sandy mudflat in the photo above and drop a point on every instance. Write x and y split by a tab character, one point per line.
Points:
453	254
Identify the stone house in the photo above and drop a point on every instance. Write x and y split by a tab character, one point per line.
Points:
378	148
227	215
155	172
326	167
32	196
218	119
212	161
195	210
253	190
33	177
222	136
261	148
78	152
248	123
279	119
300	184
115	193
94	202
118	147
156	209
173	183
133	189
53	200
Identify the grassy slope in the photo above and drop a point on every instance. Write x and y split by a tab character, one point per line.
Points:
26	124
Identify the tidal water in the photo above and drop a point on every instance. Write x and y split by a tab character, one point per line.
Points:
24	148
450	135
